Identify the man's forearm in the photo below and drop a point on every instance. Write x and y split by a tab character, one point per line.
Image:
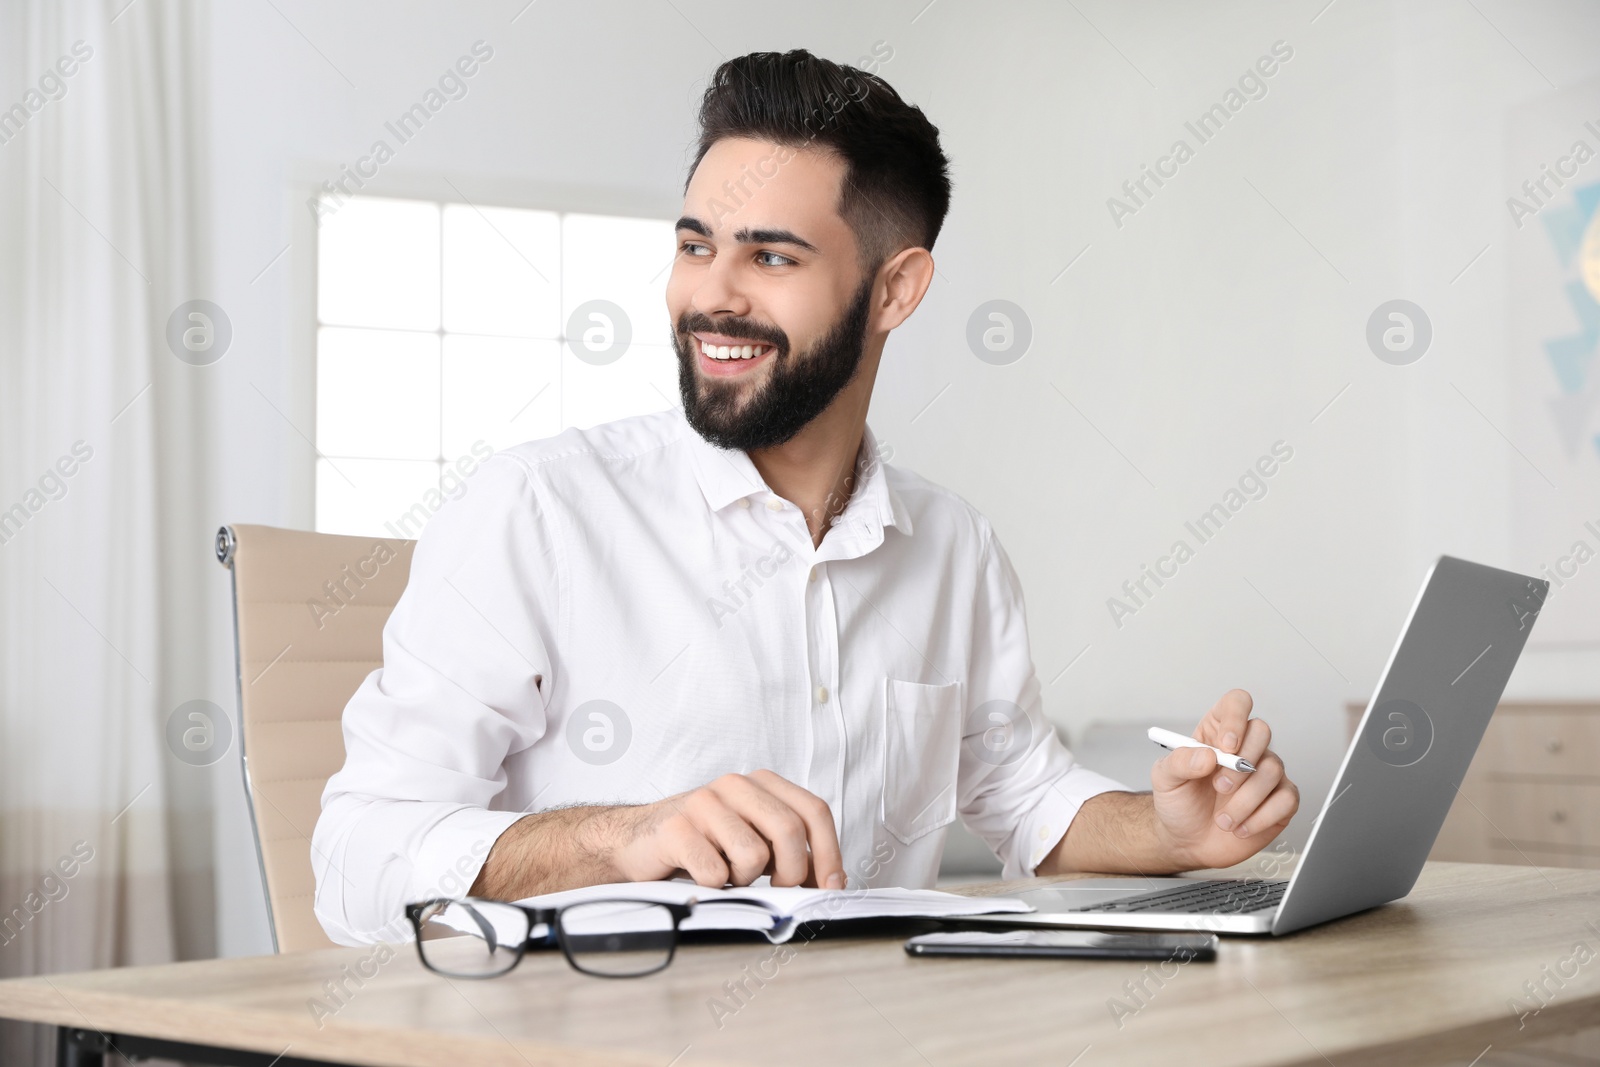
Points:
554	850
1113	833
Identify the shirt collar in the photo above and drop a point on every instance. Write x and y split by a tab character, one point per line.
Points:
727	476
874	497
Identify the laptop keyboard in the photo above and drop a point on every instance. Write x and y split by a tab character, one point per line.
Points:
1208	898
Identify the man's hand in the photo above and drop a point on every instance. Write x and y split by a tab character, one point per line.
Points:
735	830
1180	826
1210	816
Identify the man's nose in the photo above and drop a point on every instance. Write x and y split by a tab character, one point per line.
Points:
720	291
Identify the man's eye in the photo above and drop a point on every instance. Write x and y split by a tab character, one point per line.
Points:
694	249
766	259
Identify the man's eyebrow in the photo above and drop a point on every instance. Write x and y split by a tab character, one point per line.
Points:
749	236
772	237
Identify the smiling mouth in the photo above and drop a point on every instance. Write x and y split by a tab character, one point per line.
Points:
732	353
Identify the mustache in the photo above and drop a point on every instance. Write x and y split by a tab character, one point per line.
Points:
734	326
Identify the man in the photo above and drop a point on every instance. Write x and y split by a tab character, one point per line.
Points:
732	642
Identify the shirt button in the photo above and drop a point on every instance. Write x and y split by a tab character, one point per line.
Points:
822	694
812	576
744	502
774	504
1044	833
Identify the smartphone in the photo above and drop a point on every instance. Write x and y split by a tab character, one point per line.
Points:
1074	944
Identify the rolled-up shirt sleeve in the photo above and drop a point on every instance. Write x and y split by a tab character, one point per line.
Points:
1018	786
464	682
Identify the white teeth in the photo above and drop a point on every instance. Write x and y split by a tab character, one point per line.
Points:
725	352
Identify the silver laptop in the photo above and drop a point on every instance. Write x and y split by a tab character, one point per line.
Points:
1390	797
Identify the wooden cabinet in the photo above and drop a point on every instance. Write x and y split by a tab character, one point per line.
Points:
1532	794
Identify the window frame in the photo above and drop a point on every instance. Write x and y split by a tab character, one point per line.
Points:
483	191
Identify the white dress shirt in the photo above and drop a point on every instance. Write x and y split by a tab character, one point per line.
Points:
615	615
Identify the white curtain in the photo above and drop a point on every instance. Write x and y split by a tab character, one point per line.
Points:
105	836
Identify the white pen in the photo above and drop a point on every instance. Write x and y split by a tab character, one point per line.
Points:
1168	739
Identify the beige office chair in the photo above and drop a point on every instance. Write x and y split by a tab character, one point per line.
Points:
308	615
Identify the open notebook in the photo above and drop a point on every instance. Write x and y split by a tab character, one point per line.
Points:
794	904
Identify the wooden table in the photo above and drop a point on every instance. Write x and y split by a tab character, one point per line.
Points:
1431	979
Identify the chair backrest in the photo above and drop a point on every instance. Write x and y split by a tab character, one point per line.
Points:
308	616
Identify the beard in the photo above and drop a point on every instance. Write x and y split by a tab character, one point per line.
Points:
798	387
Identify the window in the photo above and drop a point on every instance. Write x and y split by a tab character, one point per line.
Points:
446	330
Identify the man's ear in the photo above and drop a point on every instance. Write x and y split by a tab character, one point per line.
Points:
902	281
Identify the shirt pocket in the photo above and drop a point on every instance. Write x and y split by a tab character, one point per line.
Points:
921	753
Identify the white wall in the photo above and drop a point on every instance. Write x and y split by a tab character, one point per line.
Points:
1190	339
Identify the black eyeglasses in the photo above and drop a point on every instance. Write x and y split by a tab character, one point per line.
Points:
464	937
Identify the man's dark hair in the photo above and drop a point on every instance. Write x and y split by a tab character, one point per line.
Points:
896	188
